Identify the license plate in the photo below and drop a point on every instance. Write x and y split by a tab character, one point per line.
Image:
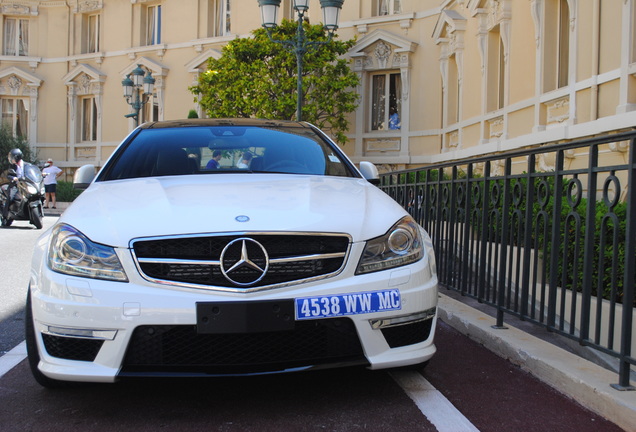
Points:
245	317
347	304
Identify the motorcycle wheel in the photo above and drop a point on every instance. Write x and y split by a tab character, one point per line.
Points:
36	216
4	222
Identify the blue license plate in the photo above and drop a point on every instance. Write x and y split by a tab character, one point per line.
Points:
347	304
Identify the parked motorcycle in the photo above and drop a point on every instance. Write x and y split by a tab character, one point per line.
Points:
28	202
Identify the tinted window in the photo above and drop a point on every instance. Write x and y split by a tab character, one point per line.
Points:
223	149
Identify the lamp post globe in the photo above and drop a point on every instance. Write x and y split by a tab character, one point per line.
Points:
137	90
128	85
138	76
331	13
269	12
149	83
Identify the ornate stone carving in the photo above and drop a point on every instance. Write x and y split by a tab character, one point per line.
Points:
88	6
558	111
16	9
382	53
545	162
84	84
14	84
620	147
496	127
453	139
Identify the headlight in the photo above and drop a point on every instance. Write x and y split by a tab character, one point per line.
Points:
71	252
400	246
32	190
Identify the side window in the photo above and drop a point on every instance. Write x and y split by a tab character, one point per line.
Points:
15	116
386	106
153	25
219	18
557	45
16	37
91	30
496	70
88	122
150	110
387	7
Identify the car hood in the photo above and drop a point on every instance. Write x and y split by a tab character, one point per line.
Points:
114	212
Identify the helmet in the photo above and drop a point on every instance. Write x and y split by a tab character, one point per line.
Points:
15	156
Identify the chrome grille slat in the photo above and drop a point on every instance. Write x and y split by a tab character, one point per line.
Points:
195	261
214	262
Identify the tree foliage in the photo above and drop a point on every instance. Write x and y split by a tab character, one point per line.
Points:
257	78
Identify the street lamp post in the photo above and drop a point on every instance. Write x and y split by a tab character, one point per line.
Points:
137	91
299	44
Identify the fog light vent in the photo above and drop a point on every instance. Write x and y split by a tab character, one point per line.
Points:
407	334
70	348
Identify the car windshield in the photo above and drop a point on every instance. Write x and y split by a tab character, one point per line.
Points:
166	151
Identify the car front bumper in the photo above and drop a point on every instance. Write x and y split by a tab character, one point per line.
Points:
90	323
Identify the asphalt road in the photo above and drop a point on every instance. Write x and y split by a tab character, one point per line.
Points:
16	247
464	388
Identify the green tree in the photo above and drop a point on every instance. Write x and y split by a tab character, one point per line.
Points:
256	77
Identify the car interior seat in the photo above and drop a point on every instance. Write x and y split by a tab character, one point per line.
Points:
173	161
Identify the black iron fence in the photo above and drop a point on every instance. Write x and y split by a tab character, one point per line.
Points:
547	234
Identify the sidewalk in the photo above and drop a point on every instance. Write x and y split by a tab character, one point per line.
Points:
61	206
580	379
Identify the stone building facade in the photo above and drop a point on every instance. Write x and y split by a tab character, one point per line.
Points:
440	79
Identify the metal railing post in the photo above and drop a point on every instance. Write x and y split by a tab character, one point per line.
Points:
629	278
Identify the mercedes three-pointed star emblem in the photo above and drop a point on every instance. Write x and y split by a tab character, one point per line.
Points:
244	261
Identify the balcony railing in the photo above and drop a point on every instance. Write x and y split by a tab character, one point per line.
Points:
546	234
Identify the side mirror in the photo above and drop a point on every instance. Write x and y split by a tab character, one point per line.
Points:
83	176
370	172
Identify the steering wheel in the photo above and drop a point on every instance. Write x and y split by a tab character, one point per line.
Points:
288	166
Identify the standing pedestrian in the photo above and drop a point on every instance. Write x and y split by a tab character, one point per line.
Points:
51	174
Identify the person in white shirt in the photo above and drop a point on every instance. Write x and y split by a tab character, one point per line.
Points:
51	174
245	161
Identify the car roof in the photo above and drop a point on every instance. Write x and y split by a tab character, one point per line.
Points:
223	122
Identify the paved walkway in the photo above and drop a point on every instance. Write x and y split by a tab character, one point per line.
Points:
580	379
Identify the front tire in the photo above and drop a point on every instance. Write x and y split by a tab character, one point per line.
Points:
33	353
36	216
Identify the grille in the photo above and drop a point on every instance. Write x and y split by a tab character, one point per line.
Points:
72	348
407	334
197	260
180	350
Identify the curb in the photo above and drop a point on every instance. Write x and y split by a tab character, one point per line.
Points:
579	379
